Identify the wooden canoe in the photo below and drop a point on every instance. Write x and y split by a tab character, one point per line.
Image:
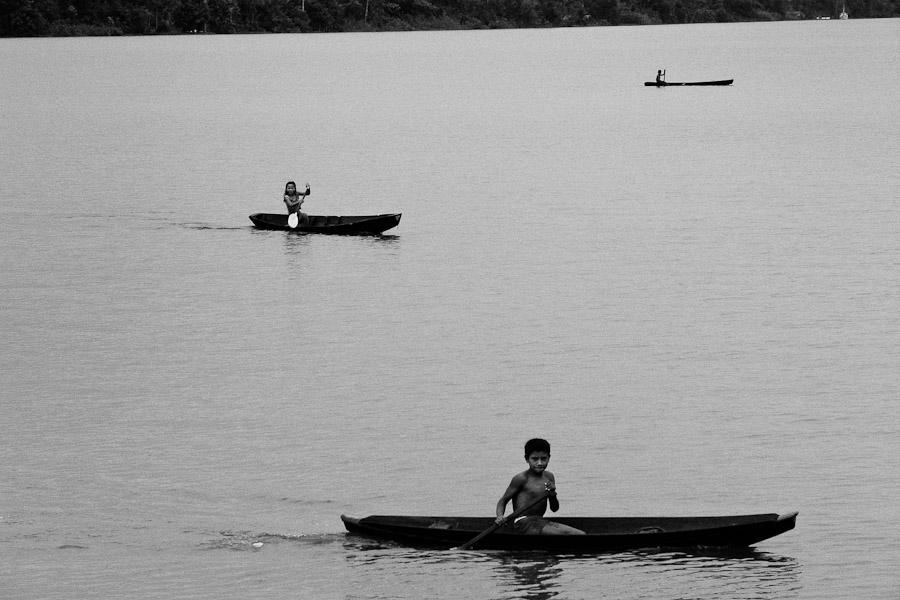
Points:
602	534
671	83
351	225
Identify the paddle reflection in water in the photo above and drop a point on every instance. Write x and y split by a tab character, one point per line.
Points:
743	574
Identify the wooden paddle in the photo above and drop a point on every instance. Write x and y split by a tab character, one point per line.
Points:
511	517
294	218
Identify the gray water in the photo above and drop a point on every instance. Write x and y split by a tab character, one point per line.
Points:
691	292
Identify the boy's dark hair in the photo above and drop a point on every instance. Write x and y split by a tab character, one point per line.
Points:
536	445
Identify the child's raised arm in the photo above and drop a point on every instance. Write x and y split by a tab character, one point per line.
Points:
551	487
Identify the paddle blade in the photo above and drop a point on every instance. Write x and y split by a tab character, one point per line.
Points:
293	220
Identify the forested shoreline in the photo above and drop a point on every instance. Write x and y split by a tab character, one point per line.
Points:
32	18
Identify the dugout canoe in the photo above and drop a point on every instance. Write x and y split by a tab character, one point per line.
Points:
349	225
602	534
671	83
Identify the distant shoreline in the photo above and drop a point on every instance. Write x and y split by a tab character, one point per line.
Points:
92	18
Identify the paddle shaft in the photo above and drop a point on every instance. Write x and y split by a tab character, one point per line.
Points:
494	527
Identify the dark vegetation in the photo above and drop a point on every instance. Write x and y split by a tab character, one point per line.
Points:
19	18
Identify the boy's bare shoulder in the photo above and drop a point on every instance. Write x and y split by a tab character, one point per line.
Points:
520	478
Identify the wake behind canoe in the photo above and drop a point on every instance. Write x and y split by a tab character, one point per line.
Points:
669	84
343	225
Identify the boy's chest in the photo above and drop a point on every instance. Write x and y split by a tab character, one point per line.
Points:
535	486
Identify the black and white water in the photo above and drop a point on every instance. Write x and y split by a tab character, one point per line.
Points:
693	293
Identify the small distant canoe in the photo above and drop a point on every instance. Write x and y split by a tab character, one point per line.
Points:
602	534
671	83
358	225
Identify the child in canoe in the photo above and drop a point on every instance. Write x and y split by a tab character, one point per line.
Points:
294	200
526	487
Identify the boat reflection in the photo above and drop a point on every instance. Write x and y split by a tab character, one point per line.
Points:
534	578
733	573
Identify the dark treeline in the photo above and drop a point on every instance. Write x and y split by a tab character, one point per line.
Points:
20	18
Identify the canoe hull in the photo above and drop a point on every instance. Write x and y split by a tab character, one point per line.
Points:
670	84
603	534
349	225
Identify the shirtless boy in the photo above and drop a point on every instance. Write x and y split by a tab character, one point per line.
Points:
294	200
526	487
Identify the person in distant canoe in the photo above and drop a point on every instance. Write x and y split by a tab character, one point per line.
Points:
659	78
294	200
528	486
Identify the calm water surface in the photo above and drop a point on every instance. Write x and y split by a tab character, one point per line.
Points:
692	293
